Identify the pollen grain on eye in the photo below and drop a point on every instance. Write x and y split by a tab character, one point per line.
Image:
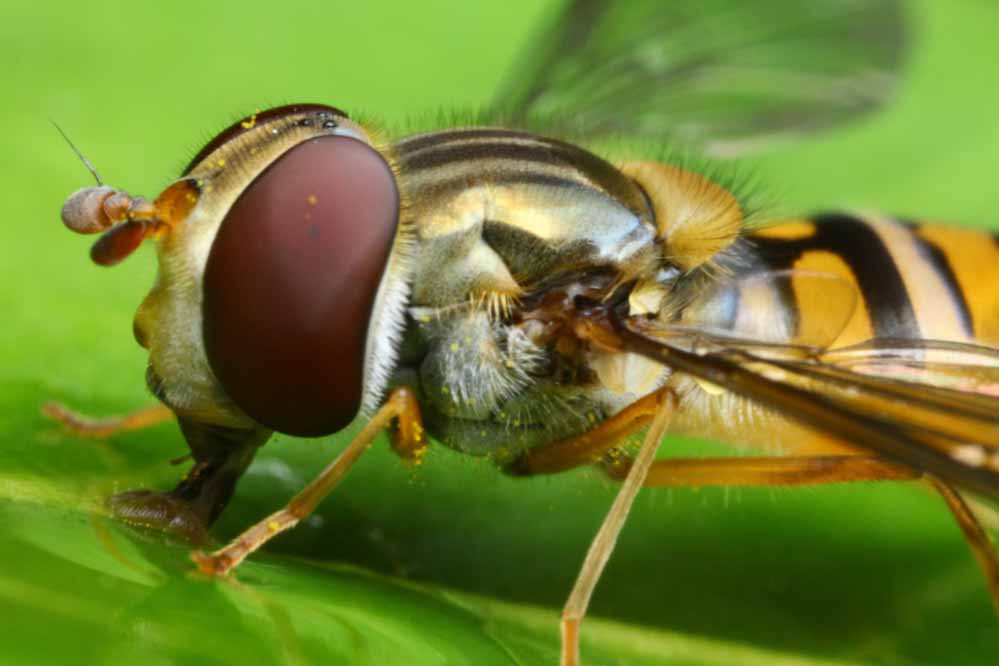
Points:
274	526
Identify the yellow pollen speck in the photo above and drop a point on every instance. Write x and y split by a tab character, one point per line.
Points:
468	340
250	122
509	363
445	390
220	163
274	526
416	457
592	417
312	200
190	197
454	346
424	319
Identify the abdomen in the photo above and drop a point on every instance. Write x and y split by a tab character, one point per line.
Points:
914	281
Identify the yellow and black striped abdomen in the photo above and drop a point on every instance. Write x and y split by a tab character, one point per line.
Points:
914	281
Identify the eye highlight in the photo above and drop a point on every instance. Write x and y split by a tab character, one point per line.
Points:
291	281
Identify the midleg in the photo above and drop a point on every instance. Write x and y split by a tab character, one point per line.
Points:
603	543
409	441
589	447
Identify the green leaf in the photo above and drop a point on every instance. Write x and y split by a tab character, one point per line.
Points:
471	566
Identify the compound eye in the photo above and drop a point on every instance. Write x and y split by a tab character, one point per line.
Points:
291	281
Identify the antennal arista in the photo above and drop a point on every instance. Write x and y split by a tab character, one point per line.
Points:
100	208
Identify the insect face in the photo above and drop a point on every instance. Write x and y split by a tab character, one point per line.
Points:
272	247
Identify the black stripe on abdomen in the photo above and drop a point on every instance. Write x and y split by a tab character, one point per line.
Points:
941	266
878	279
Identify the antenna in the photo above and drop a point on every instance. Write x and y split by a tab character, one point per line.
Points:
86	162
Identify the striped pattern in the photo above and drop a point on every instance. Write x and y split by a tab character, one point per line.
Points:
441	163
914	281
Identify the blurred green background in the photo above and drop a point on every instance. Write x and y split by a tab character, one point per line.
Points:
476	564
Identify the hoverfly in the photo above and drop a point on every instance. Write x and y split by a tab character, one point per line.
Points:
522	298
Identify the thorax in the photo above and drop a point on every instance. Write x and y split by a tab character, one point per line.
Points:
499	213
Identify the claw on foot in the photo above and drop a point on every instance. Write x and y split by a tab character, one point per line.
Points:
211	565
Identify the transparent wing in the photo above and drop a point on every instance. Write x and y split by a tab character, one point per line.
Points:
760	307
931	405
725	76
930	363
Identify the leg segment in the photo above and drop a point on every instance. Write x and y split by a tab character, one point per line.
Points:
591	445
221	456
981	547
99	428
815	470
763	471
409	442
603	543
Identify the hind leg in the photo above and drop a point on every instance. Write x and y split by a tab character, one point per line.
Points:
815	470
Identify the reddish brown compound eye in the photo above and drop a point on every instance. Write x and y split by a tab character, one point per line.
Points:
290	284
